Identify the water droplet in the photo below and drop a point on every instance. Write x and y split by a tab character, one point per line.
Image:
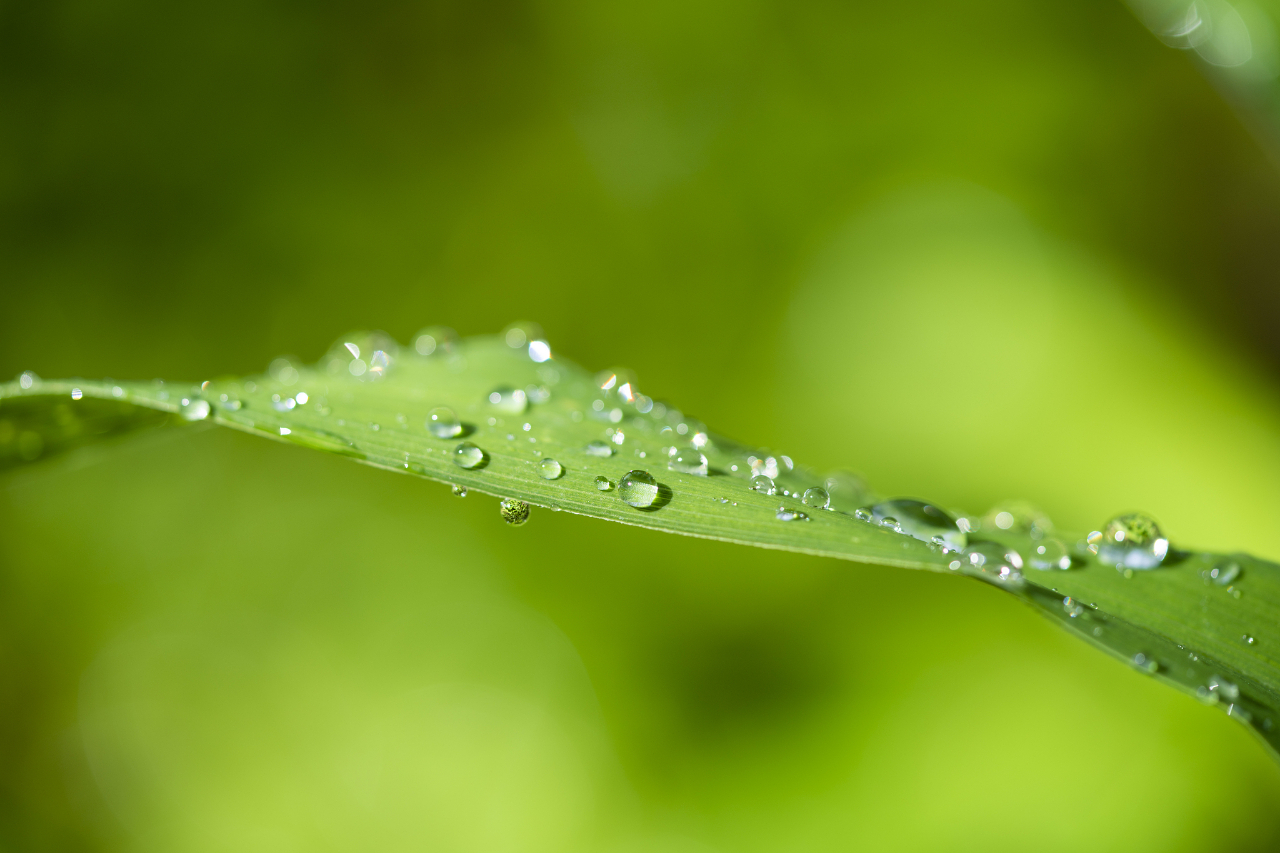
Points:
368	356
1050	554
604	484
195	410
435	340
785	514
921	520
638	488
550	469
892	524
514	512
460	491
1224	688
816	498
996	562
618	437
1224	573
1146	664
1248	639
1004	520
539	351
598	448
302	397
764	485
27	379
1132	541
766	466
864	514
512	401
284	405
688	460
231	404
1072	607
283	371
467	455
520	333
76	393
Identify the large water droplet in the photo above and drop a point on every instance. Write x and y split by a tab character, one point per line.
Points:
688	460
1132	541
1050	554
638	488
603	483
195	409
764	485
443	423
550	469
598	448
996	562
921	520
512	401
816	498
514	512
467	455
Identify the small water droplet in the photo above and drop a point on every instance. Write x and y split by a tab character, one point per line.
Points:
550	469
1146	664
1050	554
598	448
1248	639
1224	573
1224	688
467	455
443	423
638	488
195	410
604	484
920	520
76	393
688	460
513	512
460	491
27	379
539	351
786	514
864	514
816	498
1133	541
995	562
511	401
764	485
1072	607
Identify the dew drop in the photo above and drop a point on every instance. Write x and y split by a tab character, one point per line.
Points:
550	469
1072	607
1248	639
76	393
1132	541
816	498
195	410
785	514
511	401
460	491
638	488
467	455
604	484
764	485
921	520
598	448
27	379
996	563
688	460
1224	573
864	514
513	512
1050	554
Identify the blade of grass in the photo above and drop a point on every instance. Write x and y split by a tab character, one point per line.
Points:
1174	623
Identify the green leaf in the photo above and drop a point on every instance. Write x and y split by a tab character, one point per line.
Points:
1204	623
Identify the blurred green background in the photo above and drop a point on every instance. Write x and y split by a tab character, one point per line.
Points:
976	251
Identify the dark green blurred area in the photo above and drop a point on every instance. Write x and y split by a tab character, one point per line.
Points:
975	251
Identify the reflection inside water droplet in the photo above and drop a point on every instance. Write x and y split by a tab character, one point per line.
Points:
1131	541
467	455
513	512
638	488
550	469
816	498
460	491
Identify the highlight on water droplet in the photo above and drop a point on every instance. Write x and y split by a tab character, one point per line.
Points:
764	485
599	449
459	491
816	498
550	469
467	455
539	351
638	489
1132	541
688	460
512	401
443	423
921	520
194	409
1050	554
513	512
603	483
